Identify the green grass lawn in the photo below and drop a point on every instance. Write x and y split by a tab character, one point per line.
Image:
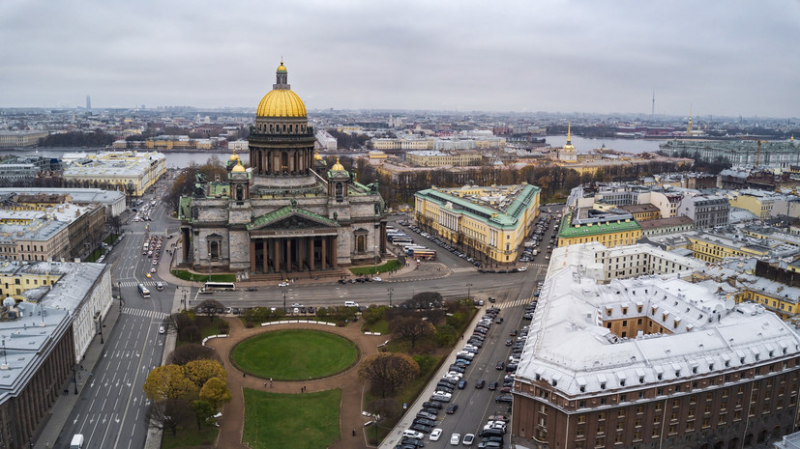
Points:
388	266
189	438
295	354
381	326
298	421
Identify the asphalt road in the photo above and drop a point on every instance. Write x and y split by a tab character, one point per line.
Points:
110	413
514	292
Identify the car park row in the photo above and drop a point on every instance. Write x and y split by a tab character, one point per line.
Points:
492	434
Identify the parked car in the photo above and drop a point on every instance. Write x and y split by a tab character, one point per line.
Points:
435	434
507	398
493	386
468	439
452	409
462	384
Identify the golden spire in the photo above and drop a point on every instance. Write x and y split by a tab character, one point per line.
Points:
234	156
569	132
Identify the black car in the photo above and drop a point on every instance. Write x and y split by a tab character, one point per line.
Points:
342	281
433	404
452	408
462	384
480	384
460	369
427	415
425	422
493	386
500	366
421	428
504	398
413	442
431	411
513	333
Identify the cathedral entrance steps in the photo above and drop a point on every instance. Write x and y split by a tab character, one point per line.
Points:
301	275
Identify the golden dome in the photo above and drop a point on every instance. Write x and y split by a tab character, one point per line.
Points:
317	156
337	166
239	168
281	103
234	157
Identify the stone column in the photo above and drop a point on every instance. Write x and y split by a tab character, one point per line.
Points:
252	256
277	259
310	243
323	254
288	255
333	253
265	251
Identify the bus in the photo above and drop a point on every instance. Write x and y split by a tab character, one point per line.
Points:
219	286
424	254
408	248
144	291
401	239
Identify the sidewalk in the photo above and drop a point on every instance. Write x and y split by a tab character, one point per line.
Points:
57	418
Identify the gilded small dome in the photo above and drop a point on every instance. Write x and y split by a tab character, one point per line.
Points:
282	68
317	156
239	168
337	166
234	157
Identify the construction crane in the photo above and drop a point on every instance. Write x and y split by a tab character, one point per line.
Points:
758	151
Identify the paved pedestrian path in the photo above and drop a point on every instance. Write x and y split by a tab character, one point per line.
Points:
353	389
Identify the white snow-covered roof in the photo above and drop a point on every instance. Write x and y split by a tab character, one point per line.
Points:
568	342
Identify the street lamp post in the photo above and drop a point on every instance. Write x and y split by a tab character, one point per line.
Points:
284	299
75	376
390	290
469	297
209	266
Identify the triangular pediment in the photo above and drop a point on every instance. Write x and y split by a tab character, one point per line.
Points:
291	217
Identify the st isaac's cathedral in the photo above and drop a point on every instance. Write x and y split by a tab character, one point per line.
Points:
288	212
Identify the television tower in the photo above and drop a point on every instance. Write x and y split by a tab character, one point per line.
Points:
653	109
88	102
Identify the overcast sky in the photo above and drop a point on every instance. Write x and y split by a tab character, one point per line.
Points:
733	57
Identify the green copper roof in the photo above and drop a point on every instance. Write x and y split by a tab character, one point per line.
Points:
287	211
509	219
219	189
184	207
568	232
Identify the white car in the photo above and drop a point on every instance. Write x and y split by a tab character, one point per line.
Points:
468	439
283	284
443	394
455	439
162	330
377	279
435	434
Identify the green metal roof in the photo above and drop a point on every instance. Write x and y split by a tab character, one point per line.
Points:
184	207
568	232
481	212
287	211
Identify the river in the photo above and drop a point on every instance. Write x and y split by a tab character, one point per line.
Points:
177	160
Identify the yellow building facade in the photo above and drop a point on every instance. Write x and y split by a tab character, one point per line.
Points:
760	205
13	283
714	249
490	223
126	171
609	233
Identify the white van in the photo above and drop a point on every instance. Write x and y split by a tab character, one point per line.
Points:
159	286
77	442
350	304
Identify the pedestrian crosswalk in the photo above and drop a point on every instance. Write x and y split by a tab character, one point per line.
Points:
145	283
144	313
515	303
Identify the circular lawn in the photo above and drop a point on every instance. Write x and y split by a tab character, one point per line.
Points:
294	354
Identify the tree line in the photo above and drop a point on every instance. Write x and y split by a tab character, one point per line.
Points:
93	139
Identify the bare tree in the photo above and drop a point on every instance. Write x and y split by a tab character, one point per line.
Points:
211	308
186	353
177	322
169	414
411	327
